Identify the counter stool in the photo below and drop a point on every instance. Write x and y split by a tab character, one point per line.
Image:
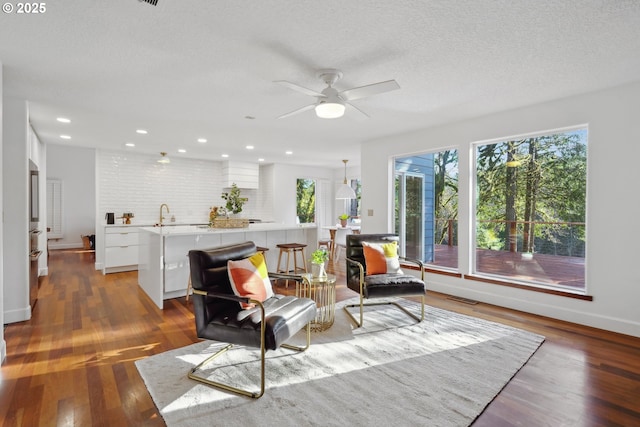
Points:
292	249
325	243
262	250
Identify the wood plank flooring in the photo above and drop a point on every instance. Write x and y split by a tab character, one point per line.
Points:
72	364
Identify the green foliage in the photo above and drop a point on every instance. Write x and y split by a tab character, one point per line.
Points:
533	180
234	201
343	216
306	200
446	193
319	256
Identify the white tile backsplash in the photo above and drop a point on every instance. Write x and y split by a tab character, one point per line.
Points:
130	182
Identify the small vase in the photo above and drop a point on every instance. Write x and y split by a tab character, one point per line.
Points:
343	222
318	271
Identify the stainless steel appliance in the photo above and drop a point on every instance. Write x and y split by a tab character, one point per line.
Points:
34	233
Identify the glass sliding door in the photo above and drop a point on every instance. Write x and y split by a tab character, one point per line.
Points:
409	213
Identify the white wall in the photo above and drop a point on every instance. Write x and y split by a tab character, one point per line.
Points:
15	239
75	168
3	343
285	179
612	203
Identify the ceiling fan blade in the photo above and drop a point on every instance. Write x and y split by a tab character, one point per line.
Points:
298	111
369	90
299	88
358	110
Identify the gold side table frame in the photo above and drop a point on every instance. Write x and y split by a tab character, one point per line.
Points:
323	291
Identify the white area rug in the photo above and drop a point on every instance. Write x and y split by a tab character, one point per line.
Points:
393	371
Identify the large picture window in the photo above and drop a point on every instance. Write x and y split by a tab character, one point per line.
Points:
530	209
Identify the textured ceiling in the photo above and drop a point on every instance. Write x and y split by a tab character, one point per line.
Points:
189	69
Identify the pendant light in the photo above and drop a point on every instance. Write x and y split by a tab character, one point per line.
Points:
164	159
345	191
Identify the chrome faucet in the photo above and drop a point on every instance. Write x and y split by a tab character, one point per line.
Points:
164	205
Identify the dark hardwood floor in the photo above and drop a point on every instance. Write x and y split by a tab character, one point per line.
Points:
72	364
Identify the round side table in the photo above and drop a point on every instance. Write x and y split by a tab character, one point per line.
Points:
323	291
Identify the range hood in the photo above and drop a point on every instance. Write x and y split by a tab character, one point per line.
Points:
243	174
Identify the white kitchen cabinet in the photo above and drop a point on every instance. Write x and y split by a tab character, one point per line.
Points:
120	249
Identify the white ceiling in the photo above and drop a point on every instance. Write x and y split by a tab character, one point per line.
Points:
189	69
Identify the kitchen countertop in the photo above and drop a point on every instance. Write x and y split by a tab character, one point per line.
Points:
151	224
176	230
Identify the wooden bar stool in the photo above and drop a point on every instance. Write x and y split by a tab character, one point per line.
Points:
292	249
263	251
325	243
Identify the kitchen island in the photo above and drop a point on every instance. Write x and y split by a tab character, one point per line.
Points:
163	263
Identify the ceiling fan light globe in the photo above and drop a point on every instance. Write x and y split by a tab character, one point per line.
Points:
330	110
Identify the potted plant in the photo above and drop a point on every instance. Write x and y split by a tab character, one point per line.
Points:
318	258
343	219
234	201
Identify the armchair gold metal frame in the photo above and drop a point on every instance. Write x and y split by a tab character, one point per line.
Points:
192	373
362	304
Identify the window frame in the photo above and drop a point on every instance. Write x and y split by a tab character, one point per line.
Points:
473	222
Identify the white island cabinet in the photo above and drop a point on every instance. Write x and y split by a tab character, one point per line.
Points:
120	249
163	263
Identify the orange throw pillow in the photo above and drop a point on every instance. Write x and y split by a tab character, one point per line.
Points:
249	278
381	258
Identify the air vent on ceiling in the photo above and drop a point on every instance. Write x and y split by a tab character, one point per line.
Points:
153	2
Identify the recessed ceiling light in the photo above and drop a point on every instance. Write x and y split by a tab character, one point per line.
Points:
130	144
142	131
261	160
182	150
63	120
249	147
225	155
65	137
288	153
202	140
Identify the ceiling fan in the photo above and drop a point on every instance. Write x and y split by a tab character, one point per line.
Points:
330	103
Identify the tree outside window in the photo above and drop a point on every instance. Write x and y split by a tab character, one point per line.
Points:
306	200
531	199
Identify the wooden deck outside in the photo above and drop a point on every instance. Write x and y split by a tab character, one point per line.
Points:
549	269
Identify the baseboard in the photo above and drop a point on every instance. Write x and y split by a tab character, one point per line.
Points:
541	304
19	315
3	351
54	246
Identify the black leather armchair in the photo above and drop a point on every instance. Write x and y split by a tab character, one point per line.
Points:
380	285
218	315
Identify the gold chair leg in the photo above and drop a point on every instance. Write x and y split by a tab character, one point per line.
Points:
255	395
362	305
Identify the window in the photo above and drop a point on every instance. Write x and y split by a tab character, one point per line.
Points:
354	204
306	200
426	207
530	204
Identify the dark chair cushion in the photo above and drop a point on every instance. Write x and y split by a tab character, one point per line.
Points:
387	285
283	315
